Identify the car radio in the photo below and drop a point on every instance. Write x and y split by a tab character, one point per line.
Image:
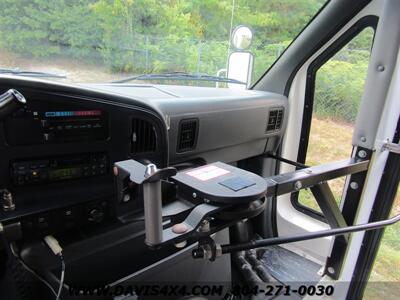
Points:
58	168
36	126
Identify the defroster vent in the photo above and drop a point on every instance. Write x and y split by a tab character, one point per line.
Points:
144	138
275	119
187	135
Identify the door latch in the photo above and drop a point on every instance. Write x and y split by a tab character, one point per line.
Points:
391	147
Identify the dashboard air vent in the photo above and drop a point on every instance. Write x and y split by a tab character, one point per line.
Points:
275	119
143	139
187	135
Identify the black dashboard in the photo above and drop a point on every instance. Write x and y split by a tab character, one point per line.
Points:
57	154
58	151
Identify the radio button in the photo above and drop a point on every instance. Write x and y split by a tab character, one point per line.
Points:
43	165
34	174
20	180
19	167
20	172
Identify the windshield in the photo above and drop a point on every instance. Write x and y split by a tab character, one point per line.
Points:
111	40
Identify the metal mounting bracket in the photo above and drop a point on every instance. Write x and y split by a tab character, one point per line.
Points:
391	147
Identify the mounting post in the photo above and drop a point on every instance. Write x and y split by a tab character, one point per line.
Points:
152	207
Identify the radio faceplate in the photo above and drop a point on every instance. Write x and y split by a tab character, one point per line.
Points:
36	126
46	170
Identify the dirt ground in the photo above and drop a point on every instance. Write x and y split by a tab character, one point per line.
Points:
74	70
329	141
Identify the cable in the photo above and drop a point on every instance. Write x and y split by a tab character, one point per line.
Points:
61	277
36	275
308	236
57	250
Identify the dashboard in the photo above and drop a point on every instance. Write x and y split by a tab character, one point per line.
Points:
58	152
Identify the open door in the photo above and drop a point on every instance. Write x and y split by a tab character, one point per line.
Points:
342	105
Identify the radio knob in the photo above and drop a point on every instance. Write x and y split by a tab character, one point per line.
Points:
45	123
96	215
48	136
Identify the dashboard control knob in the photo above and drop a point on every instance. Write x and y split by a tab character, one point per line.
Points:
8	201
96	215
126	197
45	123
48	136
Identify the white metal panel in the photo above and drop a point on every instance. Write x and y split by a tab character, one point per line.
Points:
289	220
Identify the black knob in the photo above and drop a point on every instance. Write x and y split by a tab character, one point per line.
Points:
96	215
198	253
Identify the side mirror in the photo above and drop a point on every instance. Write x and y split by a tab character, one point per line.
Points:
240	67
242	37
240	61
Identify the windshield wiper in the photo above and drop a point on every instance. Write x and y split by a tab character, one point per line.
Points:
30	73
179	76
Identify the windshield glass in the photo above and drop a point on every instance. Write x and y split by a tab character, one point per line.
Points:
111	40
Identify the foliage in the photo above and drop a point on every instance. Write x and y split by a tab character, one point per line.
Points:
154	36
150	35
43	28
340	81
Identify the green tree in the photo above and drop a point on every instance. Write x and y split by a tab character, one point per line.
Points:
151	35
41	28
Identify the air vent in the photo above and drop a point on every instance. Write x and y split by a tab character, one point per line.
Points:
275	119
143	139
187	135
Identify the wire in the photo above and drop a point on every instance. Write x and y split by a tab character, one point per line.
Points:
61	277
54	246
308	236
36	275
39	277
